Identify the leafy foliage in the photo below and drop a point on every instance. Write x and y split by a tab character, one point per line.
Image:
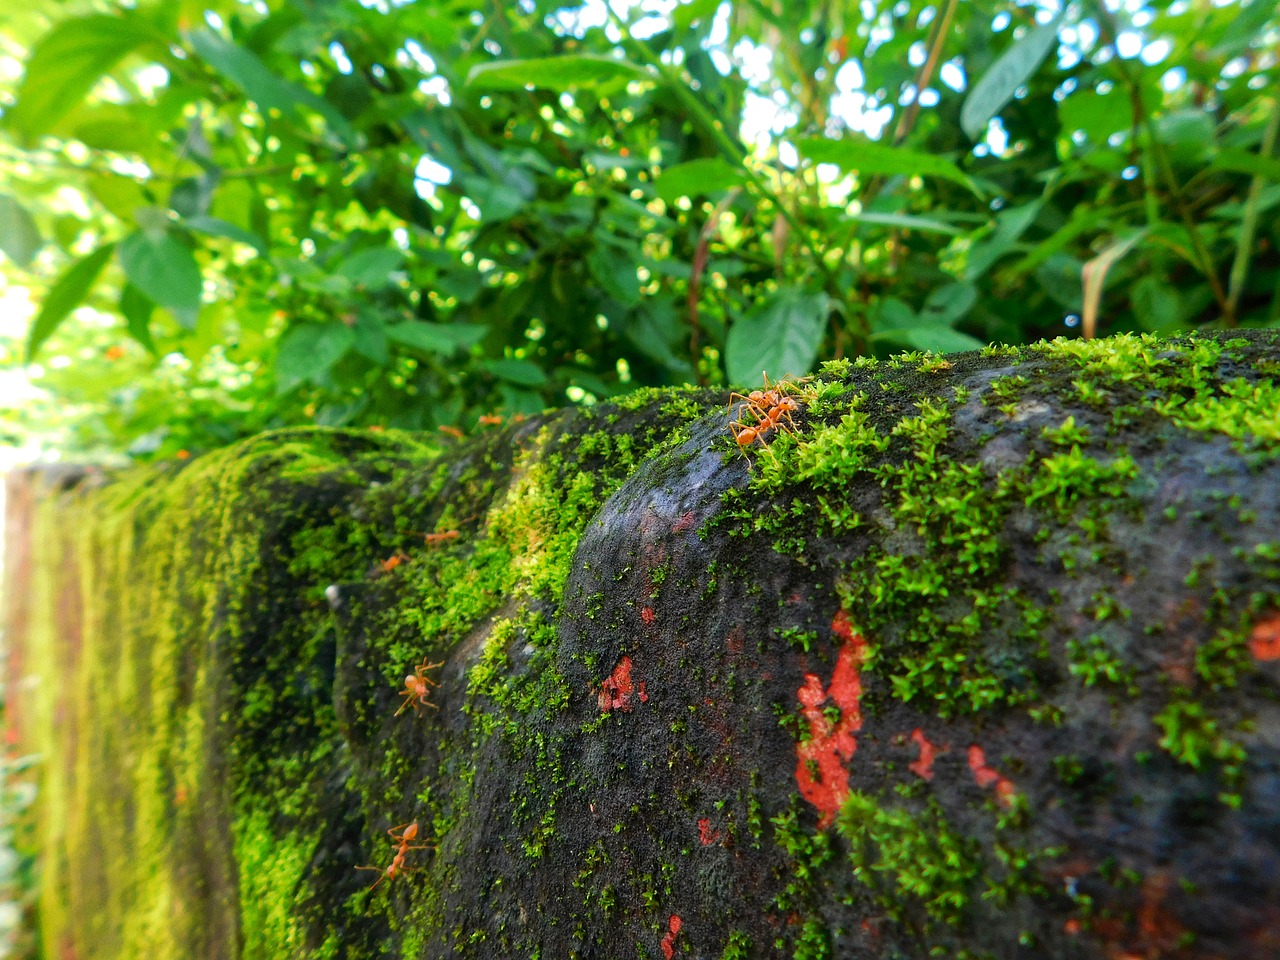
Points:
234	216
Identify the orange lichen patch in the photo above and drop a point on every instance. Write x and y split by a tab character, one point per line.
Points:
987	775
923	766
1264	641
1071	927
706	834
683	523
641	692
615	692
669	941
820	761
647	614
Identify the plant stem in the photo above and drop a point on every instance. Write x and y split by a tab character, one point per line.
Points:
1249	225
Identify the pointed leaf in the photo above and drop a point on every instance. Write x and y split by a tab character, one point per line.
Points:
555	73
949	303
372	267
19	236
65	295
260	84
866	157
435	337
309	350
616	274
214	227
164	270
1014	68
65	64
137	310
933	339
780	337
697	177
520	372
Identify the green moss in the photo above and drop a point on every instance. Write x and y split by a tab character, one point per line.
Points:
271	871
909	859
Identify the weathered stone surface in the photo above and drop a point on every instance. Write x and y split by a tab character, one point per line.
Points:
982	659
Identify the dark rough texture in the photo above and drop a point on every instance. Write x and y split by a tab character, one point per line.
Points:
939	672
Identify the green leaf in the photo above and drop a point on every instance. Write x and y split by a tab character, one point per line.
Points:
1011	224
949	303
933	339
686	14
260	84
616	273
1060	274
554	73
65	295
1156	304
867	157
372	267
1013	68
436	337
907	222
497	201
781	335
1242	161
164	270
214	227
137	309
1246	27
309	351
19	236
120	195
371	337
247	72
697	177
520	372
66	63
894	314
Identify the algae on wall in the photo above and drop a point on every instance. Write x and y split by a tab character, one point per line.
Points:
978	655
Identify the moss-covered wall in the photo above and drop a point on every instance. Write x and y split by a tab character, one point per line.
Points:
978	658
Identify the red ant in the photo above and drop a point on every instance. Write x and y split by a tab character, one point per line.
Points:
417	687
771	409
394	561
404	839
433	538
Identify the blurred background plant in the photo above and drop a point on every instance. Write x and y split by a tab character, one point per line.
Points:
218	216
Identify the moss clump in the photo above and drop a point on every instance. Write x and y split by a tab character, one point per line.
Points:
913	861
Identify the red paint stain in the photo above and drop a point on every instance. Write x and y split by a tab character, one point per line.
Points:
988	776
684	523
707	835
647	615
615	692
923	767
669	941
1264	641
820	761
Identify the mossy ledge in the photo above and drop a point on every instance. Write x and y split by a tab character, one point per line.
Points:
981	659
